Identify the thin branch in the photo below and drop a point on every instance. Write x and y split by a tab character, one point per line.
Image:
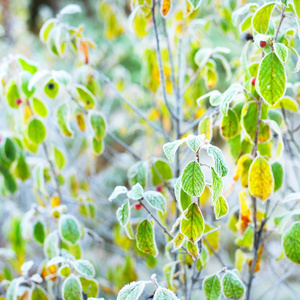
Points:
250	94
160	64
280	23
125	146
141	114
216	254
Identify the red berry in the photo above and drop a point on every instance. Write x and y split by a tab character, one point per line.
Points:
263	44
138	206
18	101
253	81
159	188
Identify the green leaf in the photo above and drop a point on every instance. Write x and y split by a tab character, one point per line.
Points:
291	242
12	95
98	146
261	18
39	108
277	171
98	124
171	148
62	119
9	153
233	288
230	124
136	192
123	213
131	291
51	88
193	250
84	96
221	208
39	232
27	65
69	229
39	293
212	287
193	179
192	224
89	287
145	238
51	248
194	141
46	28
271	79
220	165
137	174
36	131
118	191
84	268
217	185
10	182
72	289
286	103
59	159
297	8
22	170
25	79
281	51
156	200
161	170
205	127
164	294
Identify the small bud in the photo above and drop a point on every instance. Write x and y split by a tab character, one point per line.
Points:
253	81
159	188
138	206
262	44
18	101
249	37
50	86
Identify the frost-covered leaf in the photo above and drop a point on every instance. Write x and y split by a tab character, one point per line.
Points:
217	185
261	18
72	289
193	179
69	229
59	158
192	224
137	174
164	294
291	242
51	248
271	79
212	287
70	9
123	213
194	141
221	207
220	165
136	192
118	191
233	287
171	148
98	124
145	238
84	267
156	200
281	51
261	182
131	291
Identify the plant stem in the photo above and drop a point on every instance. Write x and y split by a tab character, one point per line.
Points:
160	64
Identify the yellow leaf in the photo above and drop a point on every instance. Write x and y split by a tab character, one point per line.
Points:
55	201
81	122
165	7
242	170
245	213
261	181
